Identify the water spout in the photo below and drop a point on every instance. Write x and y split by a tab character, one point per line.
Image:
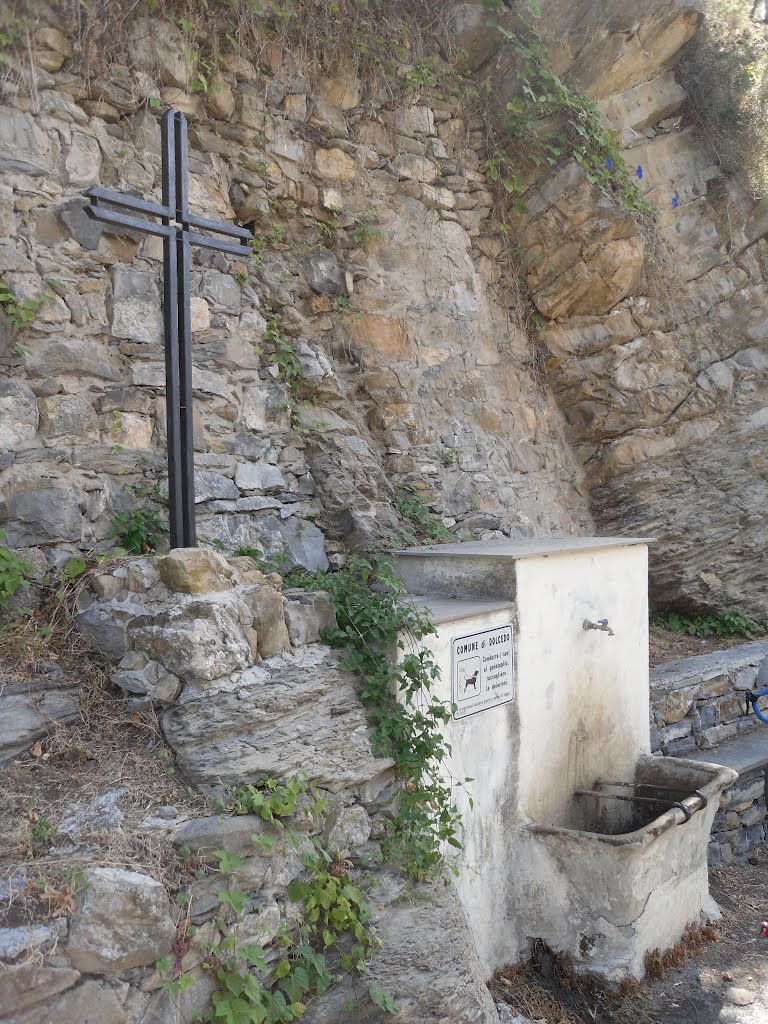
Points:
601	624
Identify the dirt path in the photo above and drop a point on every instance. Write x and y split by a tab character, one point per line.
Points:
699	992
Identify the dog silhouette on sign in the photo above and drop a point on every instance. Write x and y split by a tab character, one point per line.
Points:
471	681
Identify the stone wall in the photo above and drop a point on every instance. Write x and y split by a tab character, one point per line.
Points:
379	262
698	707
242	690
388	276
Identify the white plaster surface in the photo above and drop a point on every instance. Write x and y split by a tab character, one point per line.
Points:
580	714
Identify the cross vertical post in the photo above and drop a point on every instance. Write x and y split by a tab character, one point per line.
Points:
179	229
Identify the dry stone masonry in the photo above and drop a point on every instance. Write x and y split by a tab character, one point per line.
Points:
698	710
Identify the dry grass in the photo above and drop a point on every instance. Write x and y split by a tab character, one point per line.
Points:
396	41
79	795
548	988
658	965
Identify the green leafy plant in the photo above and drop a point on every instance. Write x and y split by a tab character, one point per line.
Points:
19	312
330	918
364	228
553	122
415	511
374	619
15	572
143	526
282	354
727	624
277	563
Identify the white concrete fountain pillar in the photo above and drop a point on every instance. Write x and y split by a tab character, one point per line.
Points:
543	650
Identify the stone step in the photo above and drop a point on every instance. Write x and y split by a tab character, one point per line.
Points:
744	754
484	570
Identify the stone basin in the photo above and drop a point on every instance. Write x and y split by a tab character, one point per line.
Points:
626	878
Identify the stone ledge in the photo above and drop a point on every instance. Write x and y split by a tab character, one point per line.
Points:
672	674
744	754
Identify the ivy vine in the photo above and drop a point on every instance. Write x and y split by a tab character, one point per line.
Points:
375	619
556	122
331	922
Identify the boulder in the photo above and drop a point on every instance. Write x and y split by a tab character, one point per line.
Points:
104	630
138	675
307	613
475	35
159	49
29	709
268	619
18	414
324	275
68	416
292	714
290	542
121	921
30	984
24	148
258	476
28	938
194	571
197	641
89	1003
346	828
70	357
50	514
135	311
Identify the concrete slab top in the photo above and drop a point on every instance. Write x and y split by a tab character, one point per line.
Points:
743	754
441	610
528	547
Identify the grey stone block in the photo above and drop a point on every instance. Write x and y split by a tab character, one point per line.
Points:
83	229
42	516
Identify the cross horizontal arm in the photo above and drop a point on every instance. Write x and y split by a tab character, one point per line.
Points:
219	244
138	223
220	226
128	202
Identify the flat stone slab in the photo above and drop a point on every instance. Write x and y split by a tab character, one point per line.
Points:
743	754
529	547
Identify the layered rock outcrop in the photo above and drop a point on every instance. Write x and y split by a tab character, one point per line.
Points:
657	341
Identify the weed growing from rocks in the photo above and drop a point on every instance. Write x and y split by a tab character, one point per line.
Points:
143	527
554	122
725	73
15	572
416	513
331	922
728	624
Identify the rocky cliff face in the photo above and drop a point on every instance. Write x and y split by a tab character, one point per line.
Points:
657	351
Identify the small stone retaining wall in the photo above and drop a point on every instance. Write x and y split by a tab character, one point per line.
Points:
698	710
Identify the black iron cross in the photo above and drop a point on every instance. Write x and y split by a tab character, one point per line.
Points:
176	227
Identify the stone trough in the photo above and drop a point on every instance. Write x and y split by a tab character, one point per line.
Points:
576	836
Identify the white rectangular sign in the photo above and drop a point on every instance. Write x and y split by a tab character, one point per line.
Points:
483	671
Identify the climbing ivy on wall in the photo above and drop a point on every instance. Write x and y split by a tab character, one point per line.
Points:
377	620
554	122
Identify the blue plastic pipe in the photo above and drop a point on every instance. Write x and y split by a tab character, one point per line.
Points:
753	698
